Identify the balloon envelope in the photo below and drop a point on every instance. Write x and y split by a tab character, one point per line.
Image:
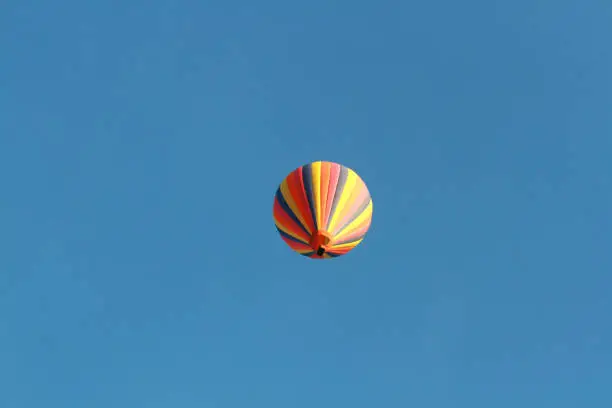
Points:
322	210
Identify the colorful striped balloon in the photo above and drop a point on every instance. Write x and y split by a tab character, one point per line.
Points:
322	210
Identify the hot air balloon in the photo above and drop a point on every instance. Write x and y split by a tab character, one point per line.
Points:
322	210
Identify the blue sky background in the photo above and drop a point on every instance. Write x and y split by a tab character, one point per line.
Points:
141	143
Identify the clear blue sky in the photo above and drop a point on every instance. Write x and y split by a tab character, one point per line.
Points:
141	144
